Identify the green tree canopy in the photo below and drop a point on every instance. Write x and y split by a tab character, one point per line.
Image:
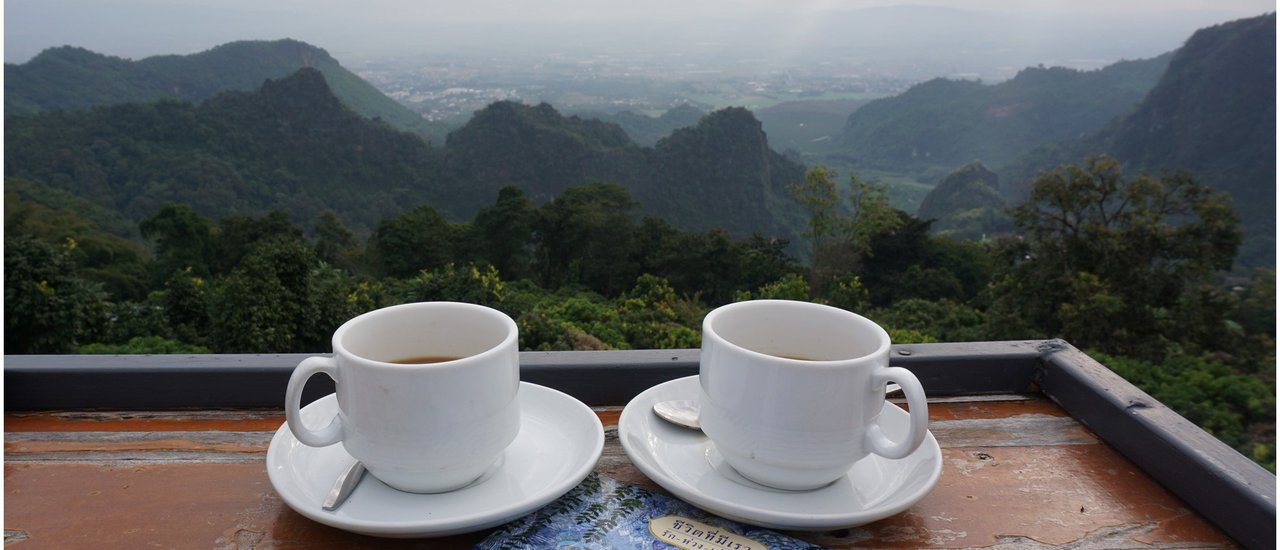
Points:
269	302
46	308
587	234
237	235
502	234
183	239
335	243
419	239
1105	258
841	227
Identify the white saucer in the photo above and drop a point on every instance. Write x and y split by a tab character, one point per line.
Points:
559	442
686	463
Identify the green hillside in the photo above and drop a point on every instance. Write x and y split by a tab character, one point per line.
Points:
722	173
1214	114
717	173
294	146
943	123
69	78
967	204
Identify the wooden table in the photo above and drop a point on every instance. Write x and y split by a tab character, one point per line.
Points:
1042	447
1018	473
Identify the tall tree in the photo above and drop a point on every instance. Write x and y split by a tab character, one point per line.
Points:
184	239
278	300
420	239
587	236
841	231
502	234
335	244
869	214
1106	261
236	236
817	194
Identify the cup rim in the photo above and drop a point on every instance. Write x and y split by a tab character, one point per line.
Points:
881	334
507	341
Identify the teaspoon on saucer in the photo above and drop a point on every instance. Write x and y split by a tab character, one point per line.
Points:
681	412
684	412
343	486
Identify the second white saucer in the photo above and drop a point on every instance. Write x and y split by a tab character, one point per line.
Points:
686	463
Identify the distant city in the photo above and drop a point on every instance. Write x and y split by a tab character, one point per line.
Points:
449	88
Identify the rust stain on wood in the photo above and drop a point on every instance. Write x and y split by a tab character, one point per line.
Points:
994	409
143	421
608	415
67	442
997	406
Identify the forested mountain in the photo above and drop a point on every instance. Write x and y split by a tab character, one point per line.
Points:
70	78
540	150
717	173
1207	108
1213	114
294	146
944	123
722	173
967	204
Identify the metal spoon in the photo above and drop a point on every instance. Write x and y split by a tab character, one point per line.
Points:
681	412
684	412
343	486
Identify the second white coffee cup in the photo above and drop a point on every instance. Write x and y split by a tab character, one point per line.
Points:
791	392
427	393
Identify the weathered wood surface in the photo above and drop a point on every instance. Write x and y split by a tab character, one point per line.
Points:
1018	473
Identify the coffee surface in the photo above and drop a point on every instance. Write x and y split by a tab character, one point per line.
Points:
798	357
424	359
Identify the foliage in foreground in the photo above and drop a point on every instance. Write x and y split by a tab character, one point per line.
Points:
1233	407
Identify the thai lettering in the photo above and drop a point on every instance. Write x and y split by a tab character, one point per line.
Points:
694	535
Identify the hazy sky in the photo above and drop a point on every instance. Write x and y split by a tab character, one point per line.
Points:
139	28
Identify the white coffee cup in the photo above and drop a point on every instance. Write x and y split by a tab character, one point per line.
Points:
791	392
422	428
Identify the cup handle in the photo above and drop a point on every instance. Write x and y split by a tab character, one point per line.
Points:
874	437
293	400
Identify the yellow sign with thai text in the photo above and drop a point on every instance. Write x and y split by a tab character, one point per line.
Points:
695	535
